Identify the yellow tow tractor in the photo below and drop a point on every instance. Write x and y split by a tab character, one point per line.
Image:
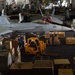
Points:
35	46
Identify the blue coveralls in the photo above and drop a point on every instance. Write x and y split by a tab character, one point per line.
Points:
22	49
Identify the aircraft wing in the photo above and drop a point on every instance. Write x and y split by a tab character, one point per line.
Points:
4	31
56	20
4	20
60	17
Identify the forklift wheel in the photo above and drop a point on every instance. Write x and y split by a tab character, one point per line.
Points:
38	54
28	53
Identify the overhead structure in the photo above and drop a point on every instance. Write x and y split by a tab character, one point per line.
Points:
1	4
21	1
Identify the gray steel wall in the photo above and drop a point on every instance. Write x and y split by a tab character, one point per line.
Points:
73	3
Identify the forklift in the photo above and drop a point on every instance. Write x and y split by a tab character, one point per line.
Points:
35	46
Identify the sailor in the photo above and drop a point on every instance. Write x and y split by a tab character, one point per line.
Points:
9	58
22	48
52	39
19	54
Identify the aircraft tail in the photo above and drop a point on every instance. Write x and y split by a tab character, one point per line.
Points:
41	12
63	3
2	12
53	12
20	18
4	18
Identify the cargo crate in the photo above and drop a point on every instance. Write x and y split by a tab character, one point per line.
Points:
70	40
61	64
65	72
60	34
43	67
21	68
47	35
